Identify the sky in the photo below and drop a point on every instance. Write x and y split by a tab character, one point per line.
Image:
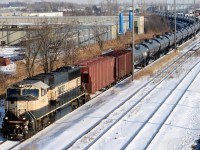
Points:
97	1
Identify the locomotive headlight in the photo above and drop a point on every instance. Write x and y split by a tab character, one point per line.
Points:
6	118
23	118
17	126
25	127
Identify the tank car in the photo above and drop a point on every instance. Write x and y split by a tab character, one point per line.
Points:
141	55
185	34
153	48
179	37
190	32
164	44
32	103
170	36
196	26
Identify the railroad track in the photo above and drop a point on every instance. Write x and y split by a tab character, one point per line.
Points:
121	118
151	63
167	112
164	74
18	143
185	55
1	143
8	144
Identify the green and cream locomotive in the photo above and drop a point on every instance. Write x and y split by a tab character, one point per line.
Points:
33	103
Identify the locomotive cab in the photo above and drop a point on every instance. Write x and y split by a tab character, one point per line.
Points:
19	121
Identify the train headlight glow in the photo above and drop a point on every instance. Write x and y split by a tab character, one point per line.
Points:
25	127
6	118
23	118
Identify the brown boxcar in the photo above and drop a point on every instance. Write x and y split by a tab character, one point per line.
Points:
4	61
123	63
97	73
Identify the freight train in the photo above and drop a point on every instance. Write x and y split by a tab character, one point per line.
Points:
32	104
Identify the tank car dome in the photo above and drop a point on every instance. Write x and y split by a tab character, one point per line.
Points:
137	46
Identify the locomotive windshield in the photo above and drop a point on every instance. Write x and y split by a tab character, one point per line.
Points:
33	92
13	92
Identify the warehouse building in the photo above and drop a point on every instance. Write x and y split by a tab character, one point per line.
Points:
13	28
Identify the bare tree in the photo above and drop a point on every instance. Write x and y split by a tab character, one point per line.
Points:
152	26
50	41
72	8
47	44
3	85
32	50
108	6
69	45
70	53
99	34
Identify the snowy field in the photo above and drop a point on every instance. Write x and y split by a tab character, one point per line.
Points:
176	126
14	54
162	115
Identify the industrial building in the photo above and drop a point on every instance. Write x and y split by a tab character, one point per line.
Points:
13	28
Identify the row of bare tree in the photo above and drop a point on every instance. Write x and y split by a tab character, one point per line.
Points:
49	43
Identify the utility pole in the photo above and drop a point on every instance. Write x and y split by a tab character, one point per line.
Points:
175	24
133	39
194	16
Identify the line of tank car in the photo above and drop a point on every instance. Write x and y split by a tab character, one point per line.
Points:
33	103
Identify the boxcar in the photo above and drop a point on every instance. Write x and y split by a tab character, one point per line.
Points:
123	63
97	73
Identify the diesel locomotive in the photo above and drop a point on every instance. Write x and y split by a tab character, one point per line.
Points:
32	103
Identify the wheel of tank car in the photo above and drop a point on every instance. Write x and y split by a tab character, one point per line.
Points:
158	56
147	62
166	51
143	64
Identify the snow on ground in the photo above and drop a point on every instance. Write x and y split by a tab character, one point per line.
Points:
81	119
183	126
6	51
180	130
62	132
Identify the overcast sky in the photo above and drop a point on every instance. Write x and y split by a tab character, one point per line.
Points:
74	1
97	1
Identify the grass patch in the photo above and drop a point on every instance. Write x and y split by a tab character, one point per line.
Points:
152	69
